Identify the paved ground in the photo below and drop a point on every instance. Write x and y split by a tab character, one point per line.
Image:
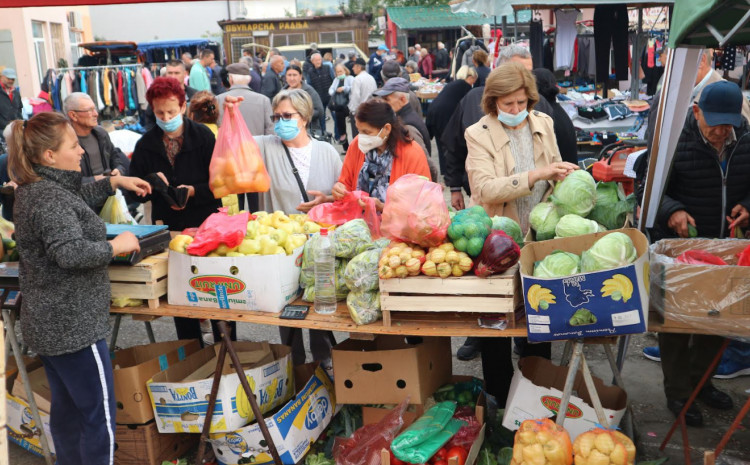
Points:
642	379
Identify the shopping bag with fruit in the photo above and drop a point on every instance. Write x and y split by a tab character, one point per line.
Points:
236	165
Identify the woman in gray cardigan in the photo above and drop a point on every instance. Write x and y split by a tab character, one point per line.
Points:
63	276
318	166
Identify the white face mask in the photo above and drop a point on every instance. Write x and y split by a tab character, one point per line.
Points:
367	143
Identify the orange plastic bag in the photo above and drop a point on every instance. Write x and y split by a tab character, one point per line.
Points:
347	209
236	165
219	228
415	211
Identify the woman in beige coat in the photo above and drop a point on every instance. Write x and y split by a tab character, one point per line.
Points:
513	157
512	162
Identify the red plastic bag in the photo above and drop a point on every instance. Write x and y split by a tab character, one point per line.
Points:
415	211
347	209
236	165
468	433
744	257
364	447
219	228
699	257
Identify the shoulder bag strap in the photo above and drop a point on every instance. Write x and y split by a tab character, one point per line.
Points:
296	174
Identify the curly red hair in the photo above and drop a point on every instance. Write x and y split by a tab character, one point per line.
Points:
165	87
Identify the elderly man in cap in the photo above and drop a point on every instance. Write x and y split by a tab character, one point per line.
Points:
707	188
376	63
255	107
362	88
10	99
391	69
396	93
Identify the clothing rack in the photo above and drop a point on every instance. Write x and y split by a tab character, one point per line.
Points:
85	68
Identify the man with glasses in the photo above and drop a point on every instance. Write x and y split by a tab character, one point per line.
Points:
101	158
10	99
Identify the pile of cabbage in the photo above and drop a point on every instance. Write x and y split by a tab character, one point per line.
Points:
579	205
614	250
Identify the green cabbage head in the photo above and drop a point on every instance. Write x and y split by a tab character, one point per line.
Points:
543	219
574	225
612	206
611	251
557	265
509	227
575	194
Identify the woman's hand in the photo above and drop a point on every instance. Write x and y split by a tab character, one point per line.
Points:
231	100
339	89
318	198
339	191
191	193
553	172
137	185
115	172
378	204
125	243
679	221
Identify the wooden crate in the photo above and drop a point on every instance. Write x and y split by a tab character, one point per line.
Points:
144	445
467	294
146	280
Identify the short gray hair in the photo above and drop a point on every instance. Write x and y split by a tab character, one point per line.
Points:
513	50
316	53
72	101
299	99
239	79
465	72
412	65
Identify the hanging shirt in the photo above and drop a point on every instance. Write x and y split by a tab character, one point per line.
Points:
565	37
84	86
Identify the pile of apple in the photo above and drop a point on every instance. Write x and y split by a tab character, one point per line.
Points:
267	234
401	259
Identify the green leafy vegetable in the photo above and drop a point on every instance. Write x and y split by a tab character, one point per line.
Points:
543	219
612	206
611	251
557	264
574	225
318	459
351	238
362	271
575	194
486	457
364	307
510	227
582	317
505	456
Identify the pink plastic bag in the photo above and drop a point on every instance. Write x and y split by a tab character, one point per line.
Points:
699	257
364	447
415	211
347	209
219	228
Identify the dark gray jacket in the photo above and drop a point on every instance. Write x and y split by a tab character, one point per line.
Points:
112	157
64	256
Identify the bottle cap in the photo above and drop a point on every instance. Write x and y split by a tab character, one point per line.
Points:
324	231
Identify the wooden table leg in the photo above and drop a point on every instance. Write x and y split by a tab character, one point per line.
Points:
569	381
735	424
211	404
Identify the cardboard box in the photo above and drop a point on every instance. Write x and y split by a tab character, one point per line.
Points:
11	368
706	297
584	291
388	369
133	367
144	445
296	426
22	430
262	282
536	391
180	406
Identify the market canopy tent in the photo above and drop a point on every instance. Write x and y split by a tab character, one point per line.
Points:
709	23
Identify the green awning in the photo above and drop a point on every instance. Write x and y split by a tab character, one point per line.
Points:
433	17
708	22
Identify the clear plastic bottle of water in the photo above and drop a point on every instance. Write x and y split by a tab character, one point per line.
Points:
325	285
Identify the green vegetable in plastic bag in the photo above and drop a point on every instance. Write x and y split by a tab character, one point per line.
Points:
351	238
543	219
575	194
115	210
318	459
307	273
612	206
557	264
341	290
509	227
364	307
429	433
362	271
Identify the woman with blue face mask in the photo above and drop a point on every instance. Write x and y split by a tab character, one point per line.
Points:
317	165
512	159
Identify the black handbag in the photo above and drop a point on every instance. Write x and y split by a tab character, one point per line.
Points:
340	100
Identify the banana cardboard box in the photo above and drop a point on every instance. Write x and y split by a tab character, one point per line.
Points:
294	427
179	394
596	304
22	429
261	282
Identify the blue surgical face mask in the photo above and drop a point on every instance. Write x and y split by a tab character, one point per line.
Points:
510	119
342	77
287	130
171	125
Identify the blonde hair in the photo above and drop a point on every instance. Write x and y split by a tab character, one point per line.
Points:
29	140
346	70
299	99
466	72
506	79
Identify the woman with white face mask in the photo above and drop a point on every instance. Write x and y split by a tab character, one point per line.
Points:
380	154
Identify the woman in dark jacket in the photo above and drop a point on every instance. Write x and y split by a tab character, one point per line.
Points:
63	277
479	57
442	108
178	151
564	129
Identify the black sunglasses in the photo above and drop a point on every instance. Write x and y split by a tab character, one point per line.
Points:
285	116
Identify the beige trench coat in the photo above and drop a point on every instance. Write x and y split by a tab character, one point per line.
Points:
491	167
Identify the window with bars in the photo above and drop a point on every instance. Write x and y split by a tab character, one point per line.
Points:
236	44
280	40
341	37
75	51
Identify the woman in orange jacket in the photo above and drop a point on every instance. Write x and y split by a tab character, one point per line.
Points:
380	154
